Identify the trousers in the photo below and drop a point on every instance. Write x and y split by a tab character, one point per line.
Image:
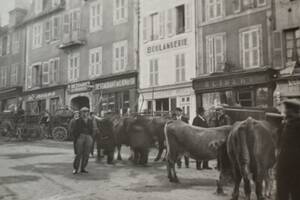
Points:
83	149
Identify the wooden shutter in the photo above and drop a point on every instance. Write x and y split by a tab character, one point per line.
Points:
219	53
188	18
183	64
170	22
277	50
162	24
156	71
151	70
125	55
177	65
145	29
209	54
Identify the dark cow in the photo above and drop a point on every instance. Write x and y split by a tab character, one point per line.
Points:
251	148
199	143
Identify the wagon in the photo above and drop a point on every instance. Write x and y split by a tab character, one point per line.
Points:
60	123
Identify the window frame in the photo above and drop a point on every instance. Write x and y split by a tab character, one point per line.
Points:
37	35
249	31
211	55
16	37
98	17
118	10
153	72
14	74
46	73
180	67
118	60
73	71
214	4
93	65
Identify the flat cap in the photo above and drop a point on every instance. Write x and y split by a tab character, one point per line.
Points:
84	109
178	109
292	103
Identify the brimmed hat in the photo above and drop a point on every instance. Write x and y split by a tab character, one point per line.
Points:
178	109
84	109
292	103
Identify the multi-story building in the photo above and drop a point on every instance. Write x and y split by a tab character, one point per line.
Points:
286	48
12	60
82	53
45	73
234	56
101	51
167	56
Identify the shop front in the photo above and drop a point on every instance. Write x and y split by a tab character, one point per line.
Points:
80	95
10	98
247	89
116	93
164	99
45	99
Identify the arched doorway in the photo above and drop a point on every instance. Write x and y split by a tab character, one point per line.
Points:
79	102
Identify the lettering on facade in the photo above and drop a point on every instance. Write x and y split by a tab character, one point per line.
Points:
167	46
79	87
230	82
115	84
41	96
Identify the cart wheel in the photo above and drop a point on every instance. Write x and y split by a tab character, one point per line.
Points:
60	133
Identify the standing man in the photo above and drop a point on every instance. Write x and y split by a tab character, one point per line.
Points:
222	118
200	121
72	128
288	164
83	133
179	116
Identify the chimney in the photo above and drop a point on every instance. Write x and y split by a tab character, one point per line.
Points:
24	4
16	16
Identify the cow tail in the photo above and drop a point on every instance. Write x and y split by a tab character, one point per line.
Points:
166	137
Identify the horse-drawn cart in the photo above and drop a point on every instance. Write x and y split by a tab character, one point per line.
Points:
60	123
20	126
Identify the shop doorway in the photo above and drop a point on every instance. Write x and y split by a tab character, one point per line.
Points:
79	102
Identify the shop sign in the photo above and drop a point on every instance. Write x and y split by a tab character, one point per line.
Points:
79	87
41	96
161	47
230	82
115	84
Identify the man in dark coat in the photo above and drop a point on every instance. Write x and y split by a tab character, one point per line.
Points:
72	128
83	132
179	116
200	121
222	118
288	166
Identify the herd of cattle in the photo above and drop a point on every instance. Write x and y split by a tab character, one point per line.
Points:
245	151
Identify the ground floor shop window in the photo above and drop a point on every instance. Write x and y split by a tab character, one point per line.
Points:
118	102
185	105
262	97
217	98
245	98
162	105
36	107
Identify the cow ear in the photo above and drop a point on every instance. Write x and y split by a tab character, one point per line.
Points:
216	144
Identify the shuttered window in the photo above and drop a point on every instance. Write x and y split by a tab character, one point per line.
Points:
250	47
48	30
170	22
180	63
45	73
120	11
120	56
56	28
14	74
153	69
37	35
277	49
73	66
95	65
214	9
292	45
216	45
162	24
96	16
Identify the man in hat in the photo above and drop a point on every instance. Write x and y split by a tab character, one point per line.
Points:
83	132
72	128
179	116
288	165
222	118
200	121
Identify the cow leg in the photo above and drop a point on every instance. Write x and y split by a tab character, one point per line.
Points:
187	161
136	156
119	152
175	178
247	188
258	179
144	157
237	181
160	151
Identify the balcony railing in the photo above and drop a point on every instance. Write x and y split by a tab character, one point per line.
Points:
74	38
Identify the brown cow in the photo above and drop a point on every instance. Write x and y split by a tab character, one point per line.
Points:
199	143
251	149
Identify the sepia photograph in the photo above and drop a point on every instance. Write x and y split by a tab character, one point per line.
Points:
149	99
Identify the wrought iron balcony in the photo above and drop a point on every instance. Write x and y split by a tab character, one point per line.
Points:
74	38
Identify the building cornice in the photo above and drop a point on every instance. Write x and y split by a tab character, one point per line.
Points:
166	87
234	16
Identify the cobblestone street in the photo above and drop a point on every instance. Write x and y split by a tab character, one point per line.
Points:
43	171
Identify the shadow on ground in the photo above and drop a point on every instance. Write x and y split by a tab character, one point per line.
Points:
17	179
28	155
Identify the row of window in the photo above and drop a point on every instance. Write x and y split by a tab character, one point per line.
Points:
167	23
13	75
45	73
180	65
215	9
48	72
250	49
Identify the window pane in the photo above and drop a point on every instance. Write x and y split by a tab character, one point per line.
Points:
247	59
246	40
255	57
254	39
182	60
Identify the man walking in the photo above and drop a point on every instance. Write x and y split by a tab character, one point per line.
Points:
179	116
83	133
72	128
288	164
200	121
